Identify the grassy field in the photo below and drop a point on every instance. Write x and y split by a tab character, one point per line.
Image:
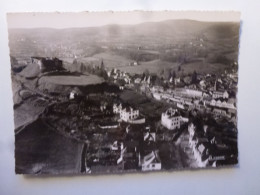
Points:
112	60
71	80
201	67
155	66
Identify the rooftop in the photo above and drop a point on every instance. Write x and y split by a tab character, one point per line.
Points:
172	112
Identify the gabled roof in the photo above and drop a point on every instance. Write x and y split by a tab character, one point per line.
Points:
172	112
152	157
149	136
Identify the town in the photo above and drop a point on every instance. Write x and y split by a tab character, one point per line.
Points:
125	98
143	121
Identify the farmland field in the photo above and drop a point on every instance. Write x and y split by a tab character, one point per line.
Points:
154	66
112	60
201	67
72	80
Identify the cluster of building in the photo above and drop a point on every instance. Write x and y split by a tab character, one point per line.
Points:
213	102
172	119
211	148
116	75
135	151
212	94
209	95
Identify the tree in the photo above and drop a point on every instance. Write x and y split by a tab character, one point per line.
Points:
194	77
121	82
74	61
169	73
146	72
102	66
158	81
104	74
82	67
88	68
173	74
162	72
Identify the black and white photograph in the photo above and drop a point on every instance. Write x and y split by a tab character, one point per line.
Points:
123	92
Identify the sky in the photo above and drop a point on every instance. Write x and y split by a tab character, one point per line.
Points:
92	19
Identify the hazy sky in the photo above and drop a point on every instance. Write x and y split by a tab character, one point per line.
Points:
88	19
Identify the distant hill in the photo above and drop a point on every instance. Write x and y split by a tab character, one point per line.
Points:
170	28
170	41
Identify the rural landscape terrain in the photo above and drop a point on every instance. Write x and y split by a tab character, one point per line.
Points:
125	98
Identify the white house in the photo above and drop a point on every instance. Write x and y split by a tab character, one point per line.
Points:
117	108
220	94
199	152
225	95
150	162
177	80
203	84
219	112
223	104
129	114
180	105
127	79
109	73
157	88
72	95
157	96
138	80
194	93
191	129
171	119
135	63
149	136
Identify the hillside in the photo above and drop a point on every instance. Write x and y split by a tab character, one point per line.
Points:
171	28
172	41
